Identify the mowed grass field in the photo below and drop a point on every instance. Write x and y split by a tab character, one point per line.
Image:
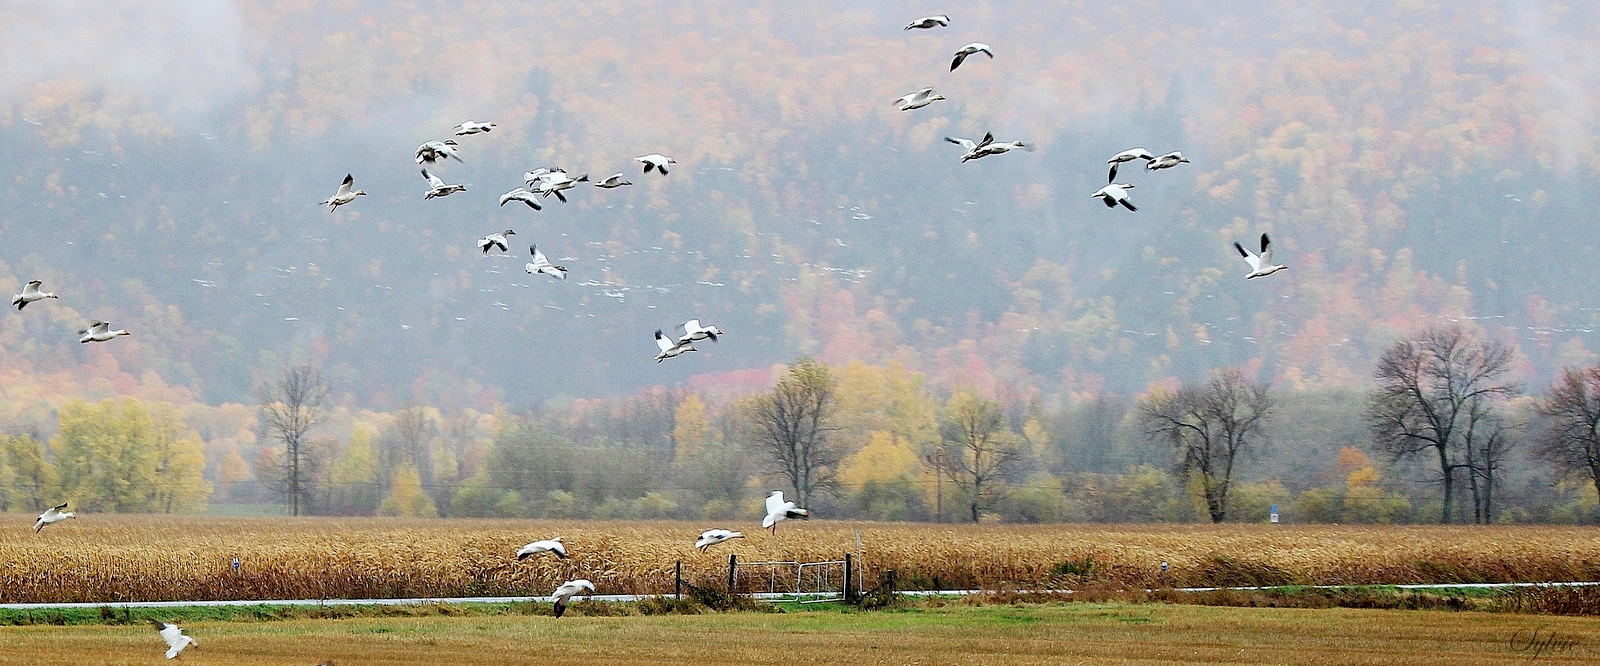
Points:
954	634
99	558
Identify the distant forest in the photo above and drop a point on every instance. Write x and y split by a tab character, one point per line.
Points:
1421	167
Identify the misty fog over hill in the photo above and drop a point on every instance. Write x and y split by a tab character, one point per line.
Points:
1416	163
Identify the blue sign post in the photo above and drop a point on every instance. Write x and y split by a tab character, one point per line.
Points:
1274	514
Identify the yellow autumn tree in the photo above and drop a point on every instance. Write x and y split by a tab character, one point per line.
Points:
691	429
119	455
406	497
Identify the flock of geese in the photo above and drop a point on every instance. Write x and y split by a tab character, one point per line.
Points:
778	510
542	183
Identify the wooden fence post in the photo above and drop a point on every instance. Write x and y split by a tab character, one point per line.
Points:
677	581
733	567
849	592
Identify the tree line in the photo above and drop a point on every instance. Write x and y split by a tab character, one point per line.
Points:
1442	435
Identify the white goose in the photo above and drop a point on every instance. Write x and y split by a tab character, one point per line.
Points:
1167	161
52	516
555	182
1114	194
1260	264
438	188
779	510
30	293
917	99
612	181
711	538
175	638
470	127
692	330
975	47
100	331
669	348
545	546
926	22
344	195
523	195
1128	155
991	147
541	264
496	240
433	151
655	161
564	594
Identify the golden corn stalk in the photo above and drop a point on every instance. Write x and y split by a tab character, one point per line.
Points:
148	558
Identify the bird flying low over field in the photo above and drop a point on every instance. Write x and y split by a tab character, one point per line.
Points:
545	546
1260	264
567	591
975	47
344	195
926	22
53	515
1113	194
30	293
100	331
779	510
711	538
175	638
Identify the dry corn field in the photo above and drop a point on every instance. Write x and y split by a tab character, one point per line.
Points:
149	558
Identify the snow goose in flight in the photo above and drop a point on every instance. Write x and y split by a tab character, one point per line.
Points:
433	151
612	181
556	182
779	510
926	22
175	638
52	516
99	331
541	264
545	546
692	330
496	240
30	293
1260	264
470	127
655	161
969	144
1114	194
711	538
975	47
669	348
344	195
522	195
1128	155
917	99
990	147
1166	161
564	594
437	187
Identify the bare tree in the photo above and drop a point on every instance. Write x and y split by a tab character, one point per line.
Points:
1210	425
978	449
1570	436
1436	395
290	408
791	425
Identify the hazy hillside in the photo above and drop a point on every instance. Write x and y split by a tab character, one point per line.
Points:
1415	162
